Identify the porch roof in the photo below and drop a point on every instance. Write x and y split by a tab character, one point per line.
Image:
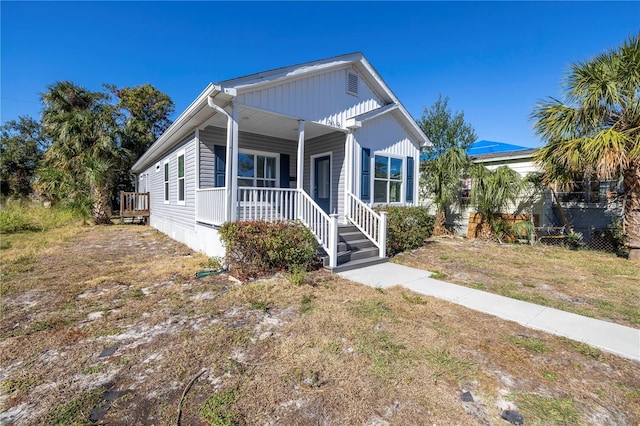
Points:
252	120
268	123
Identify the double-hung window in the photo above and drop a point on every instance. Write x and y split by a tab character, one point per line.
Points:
257	169
181	188
166	181
387	184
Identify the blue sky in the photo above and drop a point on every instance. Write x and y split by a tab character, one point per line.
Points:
494	60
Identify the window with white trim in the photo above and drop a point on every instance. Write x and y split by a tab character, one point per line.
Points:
257	169
387	183
166	182
181	173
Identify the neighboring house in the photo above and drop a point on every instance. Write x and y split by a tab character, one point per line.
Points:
589	206
493	155
321	142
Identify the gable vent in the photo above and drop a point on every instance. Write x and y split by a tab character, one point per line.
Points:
352	83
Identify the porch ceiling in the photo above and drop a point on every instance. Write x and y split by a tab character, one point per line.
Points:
267	123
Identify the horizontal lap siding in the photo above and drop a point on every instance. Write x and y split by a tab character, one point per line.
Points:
334	143
218	136
208	138
320	97
182	215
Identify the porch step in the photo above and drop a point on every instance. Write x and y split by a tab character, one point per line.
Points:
361	244
347	228
355	264
354	250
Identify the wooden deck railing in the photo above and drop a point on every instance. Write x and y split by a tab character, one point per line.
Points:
134	204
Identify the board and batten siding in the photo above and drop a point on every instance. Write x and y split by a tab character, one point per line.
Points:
181	215
334	143
322	98
385	134
246	141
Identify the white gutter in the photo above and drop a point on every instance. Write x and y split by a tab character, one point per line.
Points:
231	155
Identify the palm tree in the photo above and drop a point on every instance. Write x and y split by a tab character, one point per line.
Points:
494	192
441	181
84	150
596	128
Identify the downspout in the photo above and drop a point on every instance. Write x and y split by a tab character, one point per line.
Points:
230	154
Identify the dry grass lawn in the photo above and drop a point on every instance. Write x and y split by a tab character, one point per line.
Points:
268	352
590	283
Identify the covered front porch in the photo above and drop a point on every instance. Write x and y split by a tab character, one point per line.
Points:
258	165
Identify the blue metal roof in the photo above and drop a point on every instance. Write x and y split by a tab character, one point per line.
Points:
490	147
486	147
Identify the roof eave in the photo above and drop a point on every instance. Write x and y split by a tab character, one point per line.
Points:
167	138
420	136
525	155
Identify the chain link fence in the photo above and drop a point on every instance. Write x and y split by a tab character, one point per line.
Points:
601	239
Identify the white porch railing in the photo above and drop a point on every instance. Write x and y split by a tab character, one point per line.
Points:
272	204
210	206
323	226
370	223
269	204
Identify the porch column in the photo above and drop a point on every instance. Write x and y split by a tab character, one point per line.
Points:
350	168
232	182
300	161
300	169
232	164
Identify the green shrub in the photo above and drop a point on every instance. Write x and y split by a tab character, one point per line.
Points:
615	234
407	228
574	240
258	248
25	215
14	220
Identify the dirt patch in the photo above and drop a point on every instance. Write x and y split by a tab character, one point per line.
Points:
110	326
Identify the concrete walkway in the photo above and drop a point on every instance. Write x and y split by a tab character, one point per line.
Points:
614	338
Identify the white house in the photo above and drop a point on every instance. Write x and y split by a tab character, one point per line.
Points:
588	205
321	142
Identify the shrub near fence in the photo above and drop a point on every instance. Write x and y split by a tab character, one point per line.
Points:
407	228
600	239
258	248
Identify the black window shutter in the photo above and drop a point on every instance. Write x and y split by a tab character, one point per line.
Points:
410	172
220	153
284	170
365	179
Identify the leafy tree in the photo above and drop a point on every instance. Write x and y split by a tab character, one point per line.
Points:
493	192
441	182
96	139
445	129
143	115
22	144
82	125
595	129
